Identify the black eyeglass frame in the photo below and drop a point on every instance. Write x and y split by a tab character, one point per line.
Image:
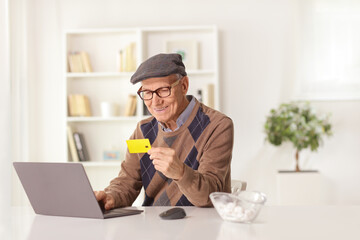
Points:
156	91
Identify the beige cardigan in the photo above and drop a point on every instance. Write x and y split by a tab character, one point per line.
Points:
204	143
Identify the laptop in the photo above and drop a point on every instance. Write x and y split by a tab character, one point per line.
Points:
63	189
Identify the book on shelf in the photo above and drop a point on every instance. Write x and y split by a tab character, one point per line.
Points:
126	58
79	62
130	64
79	105
120	61
72	146
85	60
130	107
81	147
207	95
75	63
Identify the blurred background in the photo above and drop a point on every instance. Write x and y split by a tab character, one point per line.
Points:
270	52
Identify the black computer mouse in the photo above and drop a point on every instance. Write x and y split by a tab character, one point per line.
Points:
173	213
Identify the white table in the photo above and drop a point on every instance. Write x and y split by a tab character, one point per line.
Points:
274	222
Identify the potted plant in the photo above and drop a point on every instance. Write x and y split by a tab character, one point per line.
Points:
298	123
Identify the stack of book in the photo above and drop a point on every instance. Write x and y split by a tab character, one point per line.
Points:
126	59
79	62
79	105
205	95
77	146
130	108
208	95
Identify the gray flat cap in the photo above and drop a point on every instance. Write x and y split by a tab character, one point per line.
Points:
160	65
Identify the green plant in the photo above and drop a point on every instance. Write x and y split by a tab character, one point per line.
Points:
298	123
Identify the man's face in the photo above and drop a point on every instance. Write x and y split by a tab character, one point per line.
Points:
168	109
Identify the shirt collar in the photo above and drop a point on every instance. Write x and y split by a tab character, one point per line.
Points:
183	116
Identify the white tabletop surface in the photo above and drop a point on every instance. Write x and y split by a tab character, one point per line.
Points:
274	222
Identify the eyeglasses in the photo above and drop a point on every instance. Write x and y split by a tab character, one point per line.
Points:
162	92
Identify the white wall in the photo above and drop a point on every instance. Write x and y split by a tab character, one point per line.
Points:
257	62
5	121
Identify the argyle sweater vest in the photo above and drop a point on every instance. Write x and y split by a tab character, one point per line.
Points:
204	143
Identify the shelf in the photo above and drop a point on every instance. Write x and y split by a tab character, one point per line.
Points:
200	72
102	164
99	74
127	74
179	29
196	28
101	31
101	119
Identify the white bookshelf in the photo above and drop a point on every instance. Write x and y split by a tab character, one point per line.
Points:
101	119
105	83
99	75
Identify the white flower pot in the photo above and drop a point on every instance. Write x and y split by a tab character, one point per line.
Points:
300	188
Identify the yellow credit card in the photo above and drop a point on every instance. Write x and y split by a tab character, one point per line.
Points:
138	145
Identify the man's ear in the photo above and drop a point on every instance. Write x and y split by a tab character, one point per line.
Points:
185	85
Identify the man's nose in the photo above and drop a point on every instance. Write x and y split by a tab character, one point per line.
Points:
156	99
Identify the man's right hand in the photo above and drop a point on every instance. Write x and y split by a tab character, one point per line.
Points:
105	199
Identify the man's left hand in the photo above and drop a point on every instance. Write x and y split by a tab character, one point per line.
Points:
167	162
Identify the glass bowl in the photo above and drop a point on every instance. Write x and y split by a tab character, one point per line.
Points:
243	206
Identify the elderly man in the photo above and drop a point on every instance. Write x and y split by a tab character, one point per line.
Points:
191	143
